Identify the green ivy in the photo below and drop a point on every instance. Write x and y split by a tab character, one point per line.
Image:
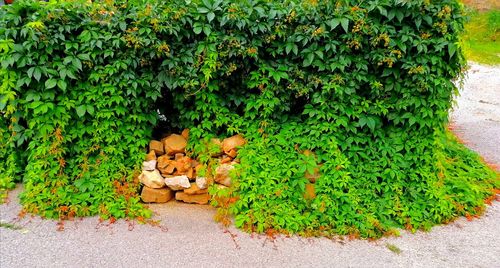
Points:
356	90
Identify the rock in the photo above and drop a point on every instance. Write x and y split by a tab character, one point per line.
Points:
190	173
185	133
201	182
149	165
310	192
174	144
232	153
163	161
222	174
152	179
151	156
178	182
232	142
194	189
183	165
221	187
309	153
165	165
226	160
201	199
157	147
194	163
161	195
170	169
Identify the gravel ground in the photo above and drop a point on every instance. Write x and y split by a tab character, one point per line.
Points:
188	237
476	117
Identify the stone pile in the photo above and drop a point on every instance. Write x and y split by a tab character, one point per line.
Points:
168	173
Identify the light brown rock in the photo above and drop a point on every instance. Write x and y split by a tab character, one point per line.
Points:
201	182
161	195
183	165
150	156
163	161
178	156
190	173
149	165
185	133
222	174
165	165
174	144
177	183
169	170
194	189
232	142
157	147
232	153
310	192
201	199
152	179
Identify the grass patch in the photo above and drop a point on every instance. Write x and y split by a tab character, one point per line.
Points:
393	248
10	226
482	37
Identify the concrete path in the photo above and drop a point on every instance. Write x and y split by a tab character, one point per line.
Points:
188	237
476	117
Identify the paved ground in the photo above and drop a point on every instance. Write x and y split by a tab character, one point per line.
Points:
194	240
477	114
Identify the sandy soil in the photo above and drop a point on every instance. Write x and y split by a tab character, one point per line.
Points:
188	236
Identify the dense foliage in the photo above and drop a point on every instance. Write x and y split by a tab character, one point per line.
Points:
355	91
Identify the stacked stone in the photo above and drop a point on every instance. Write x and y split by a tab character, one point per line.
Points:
167	172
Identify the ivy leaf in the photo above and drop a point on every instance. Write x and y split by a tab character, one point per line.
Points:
37	73
207	30
197	29
207	4
62	85
210	16
308	60
77	63
345	24
90	109
333	23
203	10
50	83
451	49
80	110
30	72
122	25
288	48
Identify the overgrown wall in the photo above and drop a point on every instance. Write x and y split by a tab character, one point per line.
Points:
344	104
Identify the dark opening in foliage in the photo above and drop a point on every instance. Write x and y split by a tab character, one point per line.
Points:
344	104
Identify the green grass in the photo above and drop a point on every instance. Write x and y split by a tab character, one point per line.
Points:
481	41
393	248
11	226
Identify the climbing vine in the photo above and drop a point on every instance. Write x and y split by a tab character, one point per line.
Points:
343	103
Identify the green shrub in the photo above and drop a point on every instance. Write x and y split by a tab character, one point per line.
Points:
358	91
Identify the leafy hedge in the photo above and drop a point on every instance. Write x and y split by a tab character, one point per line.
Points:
355	91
